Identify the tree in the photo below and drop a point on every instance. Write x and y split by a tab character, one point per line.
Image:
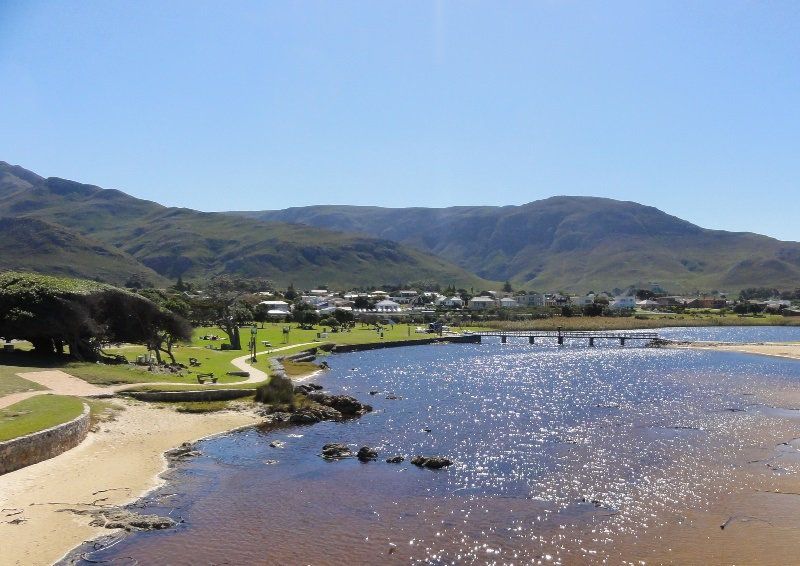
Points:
305	314
290	294
507	287
363	303
57	313
260	313
343	317
222	306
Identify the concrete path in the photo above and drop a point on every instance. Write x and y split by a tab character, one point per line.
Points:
9	400
62	383
256	375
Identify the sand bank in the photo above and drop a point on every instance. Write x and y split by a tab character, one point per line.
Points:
776	349
114	466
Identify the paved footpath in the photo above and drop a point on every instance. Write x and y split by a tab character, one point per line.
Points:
62	383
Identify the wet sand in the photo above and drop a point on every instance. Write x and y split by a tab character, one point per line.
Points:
114	466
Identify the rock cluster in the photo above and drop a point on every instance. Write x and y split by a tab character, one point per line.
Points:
127	520
432	462
182	452
346	405
335	451
365	454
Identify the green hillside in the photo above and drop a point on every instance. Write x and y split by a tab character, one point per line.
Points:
572	243
30	244
149	239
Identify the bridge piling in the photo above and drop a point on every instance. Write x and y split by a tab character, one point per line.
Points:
591	341
531	340
503	339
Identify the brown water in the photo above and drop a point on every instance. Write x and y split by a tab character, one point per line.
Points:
563	456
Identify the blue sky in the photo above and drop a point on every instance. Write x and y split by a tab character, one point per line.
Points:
693	107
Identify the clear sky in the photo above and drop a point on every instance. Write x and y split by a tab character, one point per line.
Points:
693	107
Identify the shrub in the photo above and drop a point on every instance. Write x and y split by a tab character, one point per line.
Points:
278	390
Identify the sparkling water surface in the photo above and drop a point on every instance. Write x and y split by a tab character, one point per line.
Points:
562	455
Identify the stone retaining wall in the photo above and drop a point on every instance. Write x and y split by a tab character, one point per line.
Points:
343	348
200	395
43	445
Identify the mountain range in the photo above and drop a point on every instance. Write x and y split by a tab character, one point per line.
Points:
573	243
57	226
54	225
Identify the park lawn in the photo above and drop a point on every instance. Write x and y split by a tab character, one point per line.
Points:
273	333
12	383
37	413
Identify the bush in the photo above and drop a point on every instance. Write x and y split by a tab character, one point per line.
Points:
278	390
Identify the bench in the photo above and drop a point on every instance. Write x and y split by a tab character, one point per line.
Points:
194	362
202	377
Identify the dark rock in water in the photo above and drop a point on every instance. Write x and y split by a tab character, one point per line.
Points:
335	451
127	520
374	392
270	462
395	459
276	444
314	414
392	397
432	462
348	406
365	454
182	452
315	386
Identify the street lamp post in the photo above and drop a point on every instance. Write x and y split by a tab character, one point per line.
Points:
253	335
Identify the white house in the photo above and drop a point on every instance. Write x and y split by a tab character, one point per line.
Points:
508	302
387	306
530	300
276	306
623	303
481	303
450	302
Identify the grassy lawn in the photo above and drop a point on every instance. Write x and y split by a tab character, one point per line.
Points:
212	359
37	413
11	383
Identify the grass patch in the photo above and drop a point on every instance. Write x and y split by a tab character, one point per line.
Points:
11	383
297	369
195	387
37	413
201	406
101	410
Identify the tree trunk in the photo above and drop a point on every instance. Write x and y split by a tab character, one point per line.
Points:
83	350
232	330
168	351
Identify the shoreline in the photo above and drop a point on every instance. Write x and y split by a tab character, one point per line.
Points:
120	463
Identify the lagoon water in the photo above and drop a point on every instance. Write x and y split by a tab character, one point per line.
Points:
562	455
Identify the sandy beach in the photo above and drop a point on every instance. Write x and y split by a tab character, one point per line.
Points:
114	466
775	349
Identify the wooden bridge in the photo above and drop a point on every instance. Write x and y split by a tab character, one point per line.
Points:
560	335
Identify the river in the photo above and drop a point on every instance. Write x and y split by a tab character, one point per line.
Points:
563	455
